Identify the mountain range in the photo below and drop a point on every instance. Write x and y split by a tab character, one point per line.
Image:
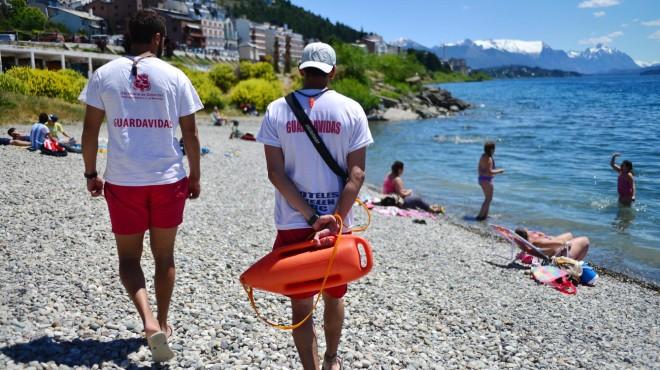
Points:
480	54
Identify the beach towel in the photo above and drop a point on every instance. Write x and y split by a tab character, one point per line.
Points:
396	211
555	277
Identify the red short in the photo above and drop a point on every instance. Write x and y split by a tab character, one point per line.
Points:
288	237
135	209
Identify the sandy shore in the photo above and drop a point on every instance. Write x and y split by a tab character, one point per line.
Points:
440	296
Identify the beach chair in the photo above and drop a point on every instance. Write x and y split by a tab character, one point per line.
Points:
518	242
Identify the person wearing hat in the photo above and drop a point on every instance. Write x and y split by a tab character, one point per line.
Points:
56	128
308	193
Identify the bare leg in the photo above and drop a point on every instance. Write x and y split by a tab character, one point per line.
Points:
162	247
579	248
333	320
304	337
487	188
129	250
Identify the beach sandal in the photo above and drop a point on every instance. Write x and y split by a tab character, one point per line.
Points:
327	358
160	350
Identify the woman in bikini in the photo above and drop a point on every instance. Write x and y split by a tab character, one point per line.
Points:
487	172
560	245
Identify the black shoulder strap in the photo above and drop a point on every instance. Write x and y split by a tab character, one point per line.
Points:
314	136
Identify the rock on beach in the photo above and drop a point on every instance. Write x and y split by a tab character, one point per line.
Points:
439	297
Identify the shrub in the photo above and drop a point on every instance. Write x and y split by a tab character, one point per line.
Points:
397	68
223	76
260	70
357	91
11	84
208	92
63	84
258	92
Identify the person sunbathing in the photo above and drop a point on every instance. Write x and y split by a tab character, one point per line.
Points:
17	138
561	245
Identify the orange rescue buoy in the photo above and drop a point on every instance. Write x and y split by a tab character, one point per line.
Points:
301	267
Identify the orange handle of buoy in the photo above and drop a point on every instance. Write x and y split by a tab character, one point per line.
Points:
250	291
363	227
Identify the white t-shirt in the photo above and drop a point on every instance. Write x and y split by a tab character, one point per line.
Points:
142	114
343	126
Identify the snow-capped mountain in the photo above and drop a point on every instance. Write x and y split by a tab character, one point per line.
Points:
406	43
496	53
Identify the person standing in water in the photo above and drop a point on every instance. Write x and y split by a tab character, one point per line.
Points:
144	100
486	170
626	182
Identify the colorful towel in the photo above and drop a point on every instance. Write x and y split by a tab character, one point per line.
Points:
395	211
555	277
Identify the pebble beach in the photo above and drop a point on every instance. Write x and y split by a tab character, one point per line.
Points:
440	295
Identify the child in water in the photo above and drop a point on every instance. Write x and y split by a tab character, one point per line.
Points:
626	181
487	172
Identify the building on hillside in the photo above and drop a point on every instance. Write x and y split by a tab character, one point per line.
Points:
458	65
252	37
183	31
76	21
374	43
283	41
116	13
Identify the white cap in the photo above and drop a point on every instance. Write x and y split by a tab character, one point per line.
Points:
318	55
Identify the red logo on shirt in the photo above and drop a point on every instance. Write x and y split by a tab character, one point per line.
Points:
141	82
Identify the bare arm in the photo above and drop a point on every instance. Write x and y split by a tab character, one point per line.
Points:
614	166
492	170
191	145
356	161
399	189
634	186
90	145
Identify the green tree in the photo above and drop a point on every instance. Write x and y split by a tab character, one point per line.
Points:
28	18
276	56
256	91
357	91
353	61
287	54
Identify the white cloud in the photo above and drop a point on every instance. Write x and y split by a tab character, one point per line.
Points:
655	35
599	14
598	3
606	39
624	25
655	23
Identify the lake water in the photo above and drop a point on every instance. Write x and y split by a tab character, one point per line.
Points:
554	139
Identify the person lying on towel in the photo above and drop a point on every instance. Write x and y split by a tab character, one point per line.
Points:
560	245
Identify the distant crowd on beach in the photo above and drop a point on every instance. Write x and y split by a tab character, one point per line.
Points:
46	135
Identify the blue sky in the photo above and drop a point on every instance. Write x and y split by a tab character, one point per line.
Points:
632	26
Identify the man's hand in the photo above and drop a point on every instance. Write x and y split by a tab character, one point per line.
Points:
326	227
194	188
95	186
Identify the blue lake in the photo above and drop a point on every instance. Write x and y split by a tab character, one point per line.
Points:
555	137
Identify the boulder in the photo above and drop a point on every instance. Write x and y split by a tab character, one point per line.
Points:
397	114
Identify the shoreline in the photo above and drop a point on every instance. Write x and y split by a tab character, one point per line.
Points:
485	233
438	296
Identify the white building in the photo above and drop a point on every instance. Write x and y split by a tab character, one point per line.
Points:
251	36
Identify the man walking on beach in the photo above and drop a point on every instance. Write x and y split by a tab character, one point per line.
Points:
144	100
308	191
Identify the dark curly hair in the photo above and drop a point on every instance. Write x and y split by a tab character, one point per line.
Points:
144	25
